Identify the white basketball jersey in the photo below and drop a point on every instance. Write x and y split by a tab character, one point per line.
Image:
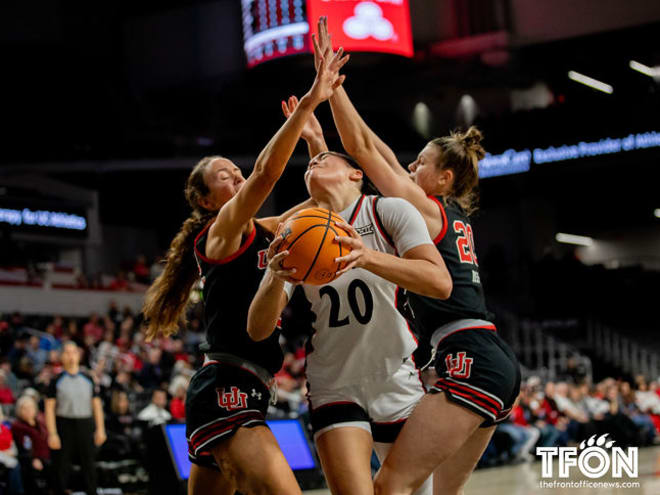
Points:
358	331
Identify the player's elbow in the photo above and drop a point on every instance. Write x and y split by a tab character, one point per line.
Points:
266	171
258	330
441	285
359	145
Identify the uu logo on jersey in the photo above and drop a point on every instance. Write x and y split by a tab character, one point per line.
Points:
459	366
232	400
594	460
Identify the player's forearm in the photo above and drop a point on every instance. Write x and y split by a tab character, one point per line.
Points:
266	308
418	276
276	154
353	131
356	136
316	145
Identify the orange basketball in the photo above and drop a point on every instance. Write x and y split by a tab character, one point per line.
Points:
309	236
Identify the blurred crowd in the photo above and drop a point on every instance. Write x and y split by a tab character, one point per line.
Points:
144	384
566	413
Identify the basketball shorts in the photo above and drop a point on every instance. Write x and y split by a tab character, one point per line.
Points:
380	406
479	371
221	398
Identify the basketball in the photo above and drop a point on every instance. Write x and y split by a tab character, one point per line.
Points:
309	236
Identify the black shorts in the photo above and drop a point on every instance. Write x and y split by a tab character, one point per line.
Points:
220	399
349	412
479	371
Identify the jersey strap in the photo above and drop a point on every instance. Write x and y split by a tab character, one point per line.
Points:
442	233
244	245
379	223
356	210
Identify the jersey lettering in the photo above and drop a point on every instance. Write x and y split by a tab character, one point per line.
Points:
232	400
263	259
335	303
465	242
460	366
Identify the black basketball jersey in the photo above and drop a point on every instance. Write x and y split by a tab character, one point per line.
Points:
229	285
456	245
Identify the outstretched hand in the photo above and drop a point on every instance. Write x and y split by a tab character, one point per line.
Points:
312	127
358	257
327	74
324	40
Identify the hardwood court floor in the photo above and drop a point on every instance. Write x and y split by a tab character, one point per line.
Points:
523	479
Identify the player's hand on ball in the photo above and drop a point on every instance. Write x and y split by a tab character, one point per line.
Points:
359	255
275	261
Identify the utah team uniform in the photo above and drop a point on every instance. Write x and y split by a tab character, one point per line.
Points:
359	366
476	368
232	389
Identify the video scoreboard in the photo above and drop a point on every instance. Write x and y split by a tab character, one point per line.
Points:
276	28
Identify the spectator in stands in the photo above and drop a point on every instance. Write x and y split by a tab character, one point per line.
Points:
156	412
6	394
10	378
72	332
178	402
120	283
123	432
152	374
18	351
31	438
58	326
74	417
49	341
9	459
579	426
141	270
93	328
36	354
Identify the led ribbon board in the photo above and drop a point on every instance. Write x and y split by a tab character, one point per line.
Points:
276	28
514	162
26	217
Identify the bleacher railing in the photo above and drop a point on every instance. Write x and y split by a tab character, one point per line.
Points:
625	353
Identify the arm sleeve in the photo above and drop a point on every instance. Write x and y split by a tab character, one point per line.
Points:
403	223
51	391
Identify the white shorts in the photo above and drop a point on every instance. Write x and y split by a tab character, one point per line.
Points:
377	405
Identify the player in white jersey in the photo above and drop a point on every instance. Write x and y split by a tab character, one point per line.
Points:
362	381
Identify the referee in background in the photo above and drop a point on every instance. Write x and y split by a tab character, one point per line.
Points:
74	417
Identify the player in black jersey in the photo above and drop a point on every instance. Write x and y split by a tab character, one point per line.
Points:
479	376
229	443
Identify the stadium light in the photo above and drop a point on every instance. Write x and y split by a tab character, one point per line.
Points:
657	213
579	240
591	82
644	69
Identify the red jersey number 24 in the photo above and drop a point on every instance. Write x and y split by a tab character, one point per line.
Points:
465	242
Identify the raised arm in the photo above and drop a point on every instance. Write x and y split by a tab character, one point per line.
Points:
238	211
312	133
374	156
